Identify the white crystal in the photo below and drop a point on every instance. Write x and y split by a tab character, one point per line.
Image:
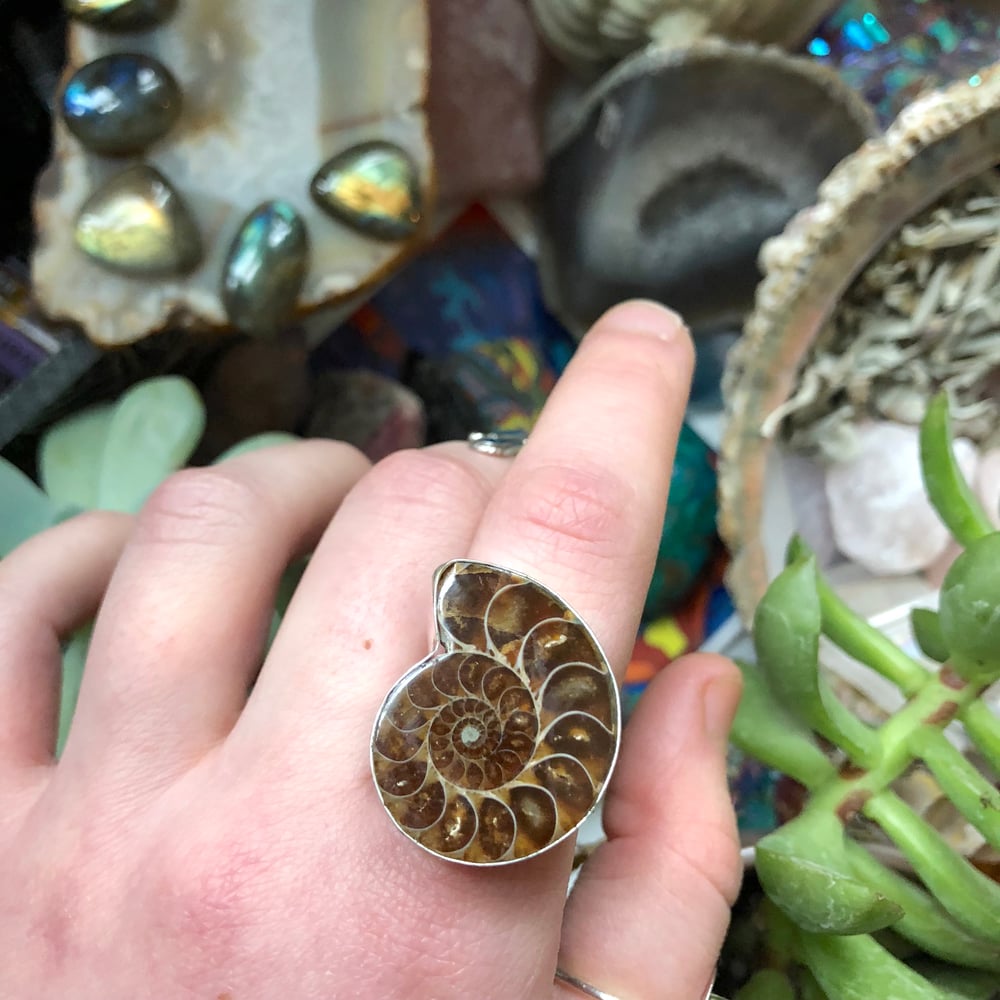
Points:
881	516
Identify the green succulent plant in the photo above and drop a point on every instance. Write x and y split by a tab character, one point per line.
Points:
843	925
109	457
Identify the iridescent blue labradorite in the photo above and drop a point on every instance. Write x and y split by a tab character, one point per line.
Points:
373	188
121	15
138	225
120	104
265	268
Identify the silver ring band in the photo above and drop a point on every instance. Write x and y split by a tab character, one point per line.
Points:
503	444
587	990
581	987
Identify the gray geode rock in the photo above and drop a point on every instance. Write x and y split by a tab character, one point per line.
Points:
667	176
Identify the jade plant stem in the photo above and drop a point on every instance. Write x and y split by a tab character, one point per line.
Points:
975	797
861	640
937	704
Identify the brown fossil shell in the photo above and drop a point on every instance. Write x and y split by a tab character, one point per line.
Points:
940	141
499	744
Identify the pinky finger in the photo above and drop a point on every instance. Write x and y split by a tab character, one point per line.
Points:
49	586
649	912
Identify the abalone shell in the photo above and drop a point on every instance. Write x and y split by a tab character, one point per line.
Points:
120	104
138	226
266	265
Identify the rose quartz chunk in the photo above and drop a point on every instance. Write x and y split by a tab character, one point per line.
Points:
882	519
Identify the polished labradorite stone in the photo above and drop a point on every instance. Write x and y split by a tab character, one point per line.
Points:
265	268
373	187
120	104
121	15
138	225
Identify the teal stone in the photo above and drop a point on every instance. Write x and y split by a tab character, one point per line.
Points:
152	432
265	268
120	104
121	15
689	530
374	188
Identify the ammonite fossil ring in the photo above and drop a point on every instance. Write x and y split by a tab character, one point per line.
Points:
498	745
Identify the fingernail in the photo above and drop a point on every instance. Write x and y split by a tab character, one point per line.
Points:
721	698
647	316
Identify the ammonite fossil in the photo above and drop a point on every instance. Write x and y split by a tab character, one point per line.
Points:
498	745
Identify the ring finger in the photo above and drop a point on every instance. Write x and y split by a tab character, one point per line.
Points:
187	610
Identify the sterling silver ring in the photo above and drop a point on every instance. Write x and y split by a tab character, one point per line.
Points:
497	745
503	444
581	987
588	990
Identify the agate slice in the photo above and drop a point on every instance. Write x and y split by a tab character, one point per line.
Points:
666	178
271	93
497	747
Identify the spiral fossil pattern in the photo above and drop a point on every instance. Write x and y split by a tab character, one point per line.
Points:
497	745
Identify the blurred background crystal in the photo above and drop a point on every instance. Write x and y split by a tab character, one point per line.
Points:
891	50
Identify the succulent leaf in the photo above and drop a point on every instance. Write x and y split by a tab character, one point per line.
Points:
983	728
73	659
966	893
970	610
152	432
968	984
767	984
764	729
970	792
857	637
858	968
255	443
786	636
70	455
819	899
946	487
26	509
924	922
926	626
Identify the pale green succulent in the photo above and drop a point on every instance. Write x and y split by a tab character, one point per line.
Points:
827	895
106	457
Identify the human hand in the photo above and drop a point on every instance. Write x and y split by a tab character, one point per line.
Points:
192	842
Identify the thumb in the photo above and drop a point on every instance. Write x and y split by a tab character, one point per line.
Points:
651	907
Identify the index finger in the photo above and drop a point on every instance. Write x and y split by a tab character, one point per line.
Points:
581	508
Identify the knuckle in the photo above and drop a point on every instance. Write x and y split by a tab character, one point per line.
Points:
207	895
196	506
340	454
575	509
433	481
